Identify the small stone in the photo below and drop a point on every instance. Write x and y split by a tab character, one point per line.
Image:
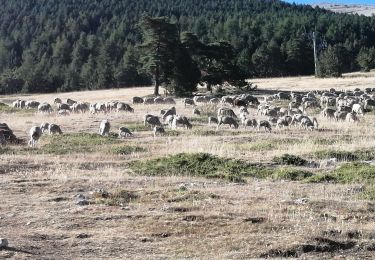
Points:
301	201
3	243
82	202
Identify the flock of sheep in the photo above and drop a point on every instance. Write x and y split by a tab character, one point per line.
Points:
336	105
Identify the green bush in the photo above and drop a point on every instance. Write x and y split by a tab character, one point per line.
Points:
289	159
293	174
354	172
200	164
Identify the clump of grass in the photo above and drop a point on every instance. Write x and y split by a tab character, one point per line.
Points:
354	172
289	159
126	150
137	127
368	193
200	164
293	174
117	198
363	155
75	143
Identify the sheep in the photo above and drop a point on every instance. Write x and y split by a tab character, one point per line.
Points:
214	101
262	108
16	104
169	100
282	95
45	108
265	124
124	132
243	110
64	106
357	108
340	115
93	108
54	129
227	120
328	112
149	100
100	107
121	106
158	130
283	121
200	99
44	127
158	100
70	102
351	117
294	111
369	102
196	112
181	120
167	112
169	120
344	108
250	100
272	112
112	105
31	104
307	123
80	107
240	103
35	133
188	101
137	100
151	120
104	127
63	112
250	122
223	111
227	100
212	119
57	101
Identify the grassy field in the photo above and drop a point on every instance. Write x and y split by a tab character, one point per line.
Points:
200	193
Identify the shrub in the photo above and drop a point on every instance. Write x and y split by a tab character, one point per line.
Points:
289	159
200	164
354	172
293	174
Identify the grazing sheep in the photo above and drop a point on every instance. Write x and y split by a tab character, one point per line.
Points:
265	124
227	100
213	120
64	106
223	111
169	100
169	120
168	112
57	101
70	102
44	127
282	95
196	112
35	133
54	129
151	120
104	128
262	108
214	101
227	120
100	107
137	100
158	130
283	121
121	106
250	122
328	112
200	99
45	108
294	111
181	120
309	124
110	106
272	112
368	103
158	100
240	103
149	100
124	132
93	108
352	117
250	100
188	101
357	108
31	104
243	110
80	107
340	115
345	109
63	112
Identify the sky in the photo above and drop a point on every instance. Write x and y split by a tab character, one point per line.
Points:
331	1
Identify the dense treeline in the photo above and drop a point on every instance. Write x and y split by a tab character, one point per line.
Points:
48	45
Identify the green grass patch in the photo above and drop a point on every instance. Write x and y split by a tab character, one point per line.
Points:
126	150
272	144
358	155
293	174
74	143
289	159
200	164
354	172
368	193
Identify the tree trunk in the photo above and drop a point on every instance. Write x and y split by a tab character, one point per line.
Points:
157	82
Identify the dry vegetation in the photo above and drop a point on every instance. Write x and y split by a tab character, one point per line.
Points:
239	212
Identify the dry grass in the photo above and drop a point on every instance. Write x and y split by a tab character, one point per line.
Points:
204	218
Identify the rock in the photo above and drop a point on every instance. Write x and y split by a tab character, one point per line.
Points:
81	200
301	201
3	243
329	163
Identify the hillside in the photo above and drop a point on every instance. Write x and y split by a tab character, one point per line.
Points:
367	10
48	46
